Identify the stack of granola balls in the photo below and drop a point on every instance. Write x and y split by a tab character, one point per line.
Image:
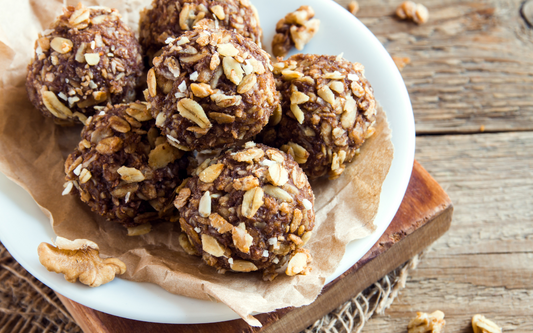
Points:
186	154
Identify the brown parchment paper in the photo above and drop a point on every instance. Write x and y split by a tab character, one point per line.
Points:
33	150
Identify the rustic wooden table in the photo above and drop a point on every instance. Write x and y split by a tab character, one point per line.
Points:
470	79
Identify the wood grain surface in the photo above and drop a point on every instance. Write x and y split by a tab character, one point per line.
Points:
470	72
424	216
471	64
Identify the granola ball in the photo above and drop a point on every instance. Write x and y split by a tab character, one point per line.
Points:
250	209
295	29
328	110
211	88
123	169
88	57
172	18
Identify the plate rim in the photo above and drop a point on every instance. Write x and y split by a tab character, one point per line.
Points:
228	314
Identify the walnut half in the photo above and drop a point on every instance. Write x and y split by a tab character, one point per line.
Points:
79	259
480	324
427	323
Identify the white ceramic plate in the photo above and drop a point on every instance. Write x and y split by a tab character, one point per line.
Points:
24	226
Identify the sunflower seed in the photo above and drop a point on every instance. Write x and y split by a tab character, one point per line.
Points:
298	113
326	94
204	208
299	98
152	82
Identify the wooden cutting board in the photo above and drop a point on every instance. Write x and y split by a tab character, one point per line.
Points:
424	215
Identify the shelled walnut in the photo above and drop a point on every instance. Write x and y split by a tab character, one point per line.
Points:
427	323
295	29
480	324
413	11
250	209
89	57
79	259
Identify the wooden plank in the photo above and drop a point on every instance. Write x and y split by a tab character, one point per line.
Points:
484	264
471	66
424	215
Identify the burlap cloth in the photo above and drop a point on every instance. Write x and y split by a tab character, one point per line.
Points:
27	305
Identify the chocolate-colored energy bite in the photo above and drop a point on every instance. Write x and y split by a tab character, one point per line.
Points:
211	88
250	209
328	110
123	168
88	57
171	18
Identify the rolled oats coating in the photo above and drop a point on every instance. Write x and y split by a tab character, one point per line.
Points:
295	29
250	209
172	18
88	57
211	88
328	110
124	169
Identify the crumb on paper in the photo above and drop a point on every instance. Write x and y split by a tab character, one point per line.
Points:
140	229
409	10
480	324
79	259
427	323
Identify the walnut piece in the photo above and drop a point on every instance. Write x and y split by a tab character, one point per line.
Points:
79	259
400	62
480	324
299	263
353	7
418	13
295	29
427	323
